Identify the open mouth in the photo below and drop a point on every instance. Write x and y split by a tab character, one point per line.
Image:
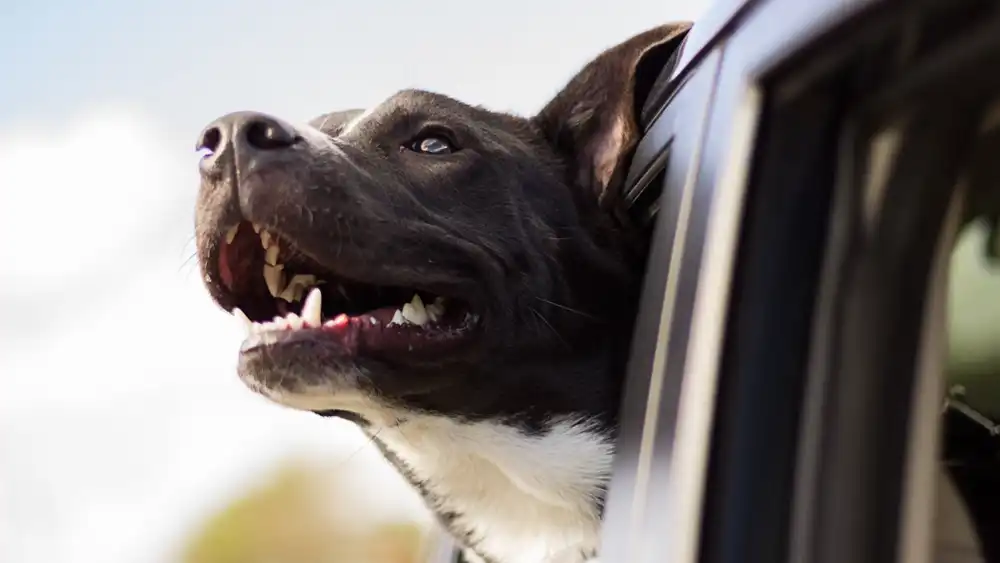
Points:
281	294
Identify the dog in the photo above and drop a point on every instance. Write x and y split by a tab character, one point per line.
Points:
458	282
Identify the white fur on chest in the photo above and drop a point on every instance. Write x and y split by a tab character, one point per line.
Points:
525	498
530	499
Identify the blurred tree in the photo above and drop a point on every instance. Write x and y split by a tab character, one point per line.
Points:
289	520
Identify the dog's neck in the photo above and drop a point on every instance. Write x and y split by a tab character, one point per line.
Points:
509	496
527	488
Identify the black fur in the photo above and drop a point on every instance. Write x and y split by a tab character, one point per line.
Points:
524	223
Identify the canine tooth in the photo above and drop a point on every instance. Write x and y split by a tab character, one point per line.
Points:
397	318
313	307
275	279
231	233
244	320
271	255
415	312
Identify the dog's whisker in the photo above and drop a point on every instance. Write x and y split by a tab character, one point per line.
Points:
398	427
322	124
369	442
567	308
187	261
552	328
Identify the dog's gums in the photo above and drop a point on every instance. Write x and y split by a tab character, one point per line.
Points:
304	297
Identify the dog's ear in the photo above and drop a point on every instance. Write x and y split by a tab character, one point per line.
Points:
593	121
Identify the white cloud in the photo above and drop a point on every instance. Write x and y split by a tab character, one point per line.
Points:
119	430
71	196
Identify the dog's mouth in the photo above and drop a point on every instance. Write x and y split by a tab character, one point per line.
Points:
283	295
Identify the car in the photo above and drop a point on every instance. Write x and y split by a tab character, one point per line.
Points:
815	374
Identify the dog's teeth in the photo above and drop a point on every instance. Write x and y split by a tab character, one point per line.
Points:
278	323
289	294
409	314
271	255
313	307
265	238
397	318
296	287
245	321
415	312
231	233
294	322
435	310
373	320
274	276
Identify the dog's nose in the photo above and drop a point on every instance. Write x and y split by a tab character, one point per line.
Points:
248	136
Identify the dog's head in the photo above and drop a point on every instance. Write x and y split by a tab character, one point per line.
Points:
427	255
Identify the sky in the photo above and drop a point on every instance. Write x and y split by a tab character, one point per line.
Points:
122	423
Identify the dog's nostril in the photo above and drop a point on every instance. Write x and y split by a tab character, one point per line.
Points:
209	141
269	135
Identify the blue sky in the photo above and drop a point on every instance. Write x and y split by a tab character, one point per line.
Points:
121	421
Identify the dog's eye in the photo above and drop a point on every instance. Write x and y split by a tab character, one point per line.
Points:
432	145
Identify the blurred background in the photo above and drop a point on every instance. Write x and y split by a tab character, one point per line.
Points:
125	435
